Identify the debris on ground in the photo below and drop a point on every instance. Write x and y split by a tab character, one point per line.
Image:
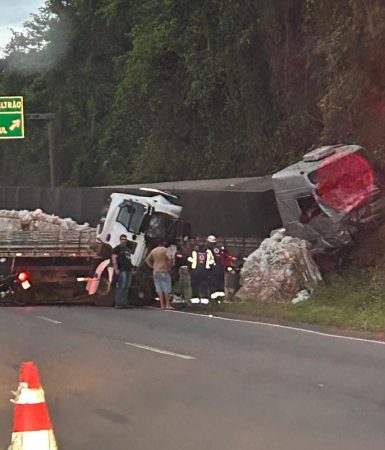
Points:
279	269
301	296
37	220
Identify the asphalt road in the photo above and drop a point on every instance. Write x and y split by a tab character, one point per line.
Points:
224	385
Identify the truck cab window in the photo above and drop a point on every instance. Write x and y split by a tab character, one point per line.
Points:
131	215
157	226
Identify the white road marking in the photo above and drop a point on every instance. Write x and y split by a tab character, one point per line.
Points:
48	319
158	350
274	325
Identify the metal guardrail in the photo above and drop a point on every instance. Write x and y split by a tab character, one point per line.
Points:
48	243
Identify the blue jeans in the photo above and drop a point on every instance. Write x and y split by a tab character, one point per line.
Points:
122	287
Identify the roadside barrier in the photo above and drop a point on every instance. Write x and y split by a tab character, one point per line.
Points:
32	428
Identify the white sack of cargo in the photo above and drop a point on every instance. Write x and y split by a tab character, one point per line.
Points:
280	268
24	220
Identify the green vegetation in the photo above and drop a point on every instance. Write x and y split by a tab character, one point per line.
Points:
157	90
352	301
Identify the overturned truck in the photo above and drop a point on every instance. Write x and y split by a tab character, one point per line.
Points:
326	198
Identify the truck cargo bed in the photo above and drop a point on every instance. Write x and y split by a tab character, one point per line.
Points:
48	243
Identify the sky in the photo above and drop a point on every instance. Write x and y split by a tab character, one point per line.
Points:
13	13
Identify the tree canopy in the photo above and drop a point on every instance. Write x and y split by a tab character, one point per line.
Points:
156	90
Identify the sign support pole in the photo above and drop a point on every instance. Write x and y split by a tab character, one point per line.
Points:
50	118
51	148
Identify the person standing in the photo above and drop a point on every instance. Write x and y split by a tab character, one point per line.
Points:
161	262
217	274
201	263
121	259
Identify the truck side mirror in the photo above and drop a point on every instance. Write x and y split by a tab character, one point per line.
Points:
99	226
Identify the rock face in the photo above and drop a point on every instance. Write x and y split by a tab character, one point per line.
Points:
280	268
36	221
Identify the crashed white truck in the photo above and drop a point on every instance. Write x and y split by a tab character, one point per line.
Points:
65	261
329	198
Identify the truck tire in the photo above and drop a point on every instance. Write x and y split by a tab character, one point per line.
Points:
21	298
104	285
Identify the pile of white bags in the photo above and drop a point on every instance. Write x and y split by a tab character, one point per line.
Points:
36	221
279	269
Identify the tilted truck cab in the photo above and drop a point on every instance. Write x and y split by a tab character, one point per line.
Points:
329	196
144	220
141	219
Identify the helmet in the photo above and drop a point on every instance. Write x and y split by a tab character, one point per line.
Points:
212	239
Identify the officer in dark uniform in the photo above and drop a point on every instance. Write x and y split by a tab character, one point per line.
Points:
217	273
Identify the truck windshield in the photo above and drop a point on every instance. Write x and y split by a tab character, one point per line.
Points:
131	216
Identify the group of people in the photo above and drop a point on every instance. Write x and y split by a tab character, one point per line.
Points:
161	262
206	263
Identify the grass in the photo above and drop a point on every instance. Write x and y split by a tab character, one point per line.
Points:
352	301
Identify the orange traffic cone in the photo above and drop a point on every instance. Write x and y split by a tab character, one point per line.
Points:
32	428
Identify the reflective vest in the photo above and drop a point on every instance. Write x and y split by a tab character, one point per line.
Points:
205	258
218	254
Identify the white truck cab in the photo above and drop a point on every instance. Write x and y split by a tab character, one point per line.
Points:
144	220
139	218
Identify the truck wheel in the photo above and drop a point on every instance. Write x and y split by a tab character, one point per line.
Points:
22	298
104	285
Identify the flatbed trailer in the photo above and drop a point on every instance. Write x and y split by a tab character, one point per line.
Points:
53	260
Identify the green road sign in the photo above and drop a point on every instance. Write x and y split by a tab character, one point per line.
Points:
11	118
